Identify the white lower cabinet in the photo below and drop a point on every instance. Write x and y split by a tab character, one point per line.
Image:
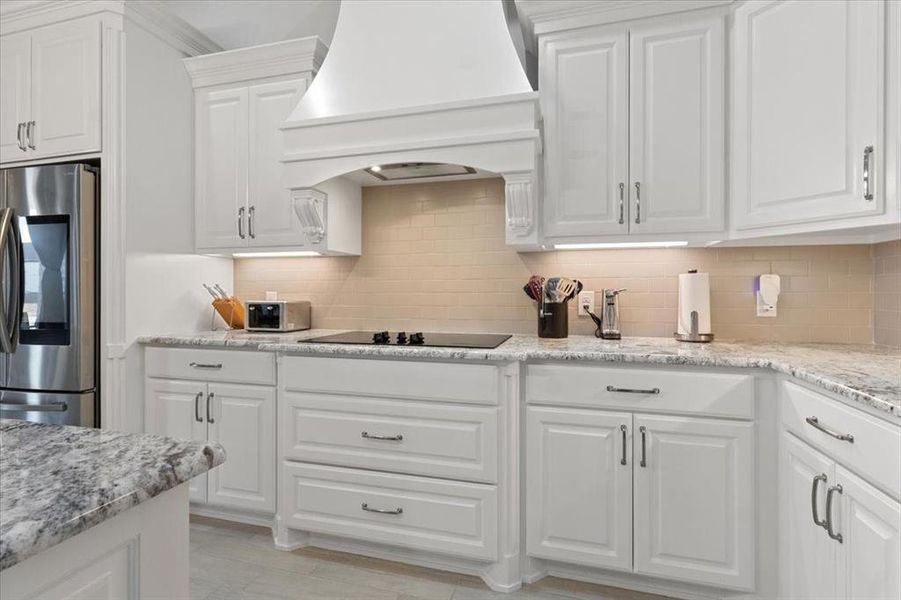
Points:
694	500
840	537
240	417
579	486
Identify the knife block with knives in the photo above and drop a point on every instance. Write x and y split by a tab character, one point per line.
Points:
229	307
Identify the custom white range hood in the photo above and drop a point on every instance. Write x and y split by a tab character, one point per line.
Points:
405	82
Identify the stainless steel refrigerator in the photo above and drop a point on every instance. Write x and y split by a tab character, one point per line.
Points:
48	294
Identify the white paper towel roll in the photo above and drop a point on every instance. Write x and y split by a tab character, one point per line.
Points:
694	295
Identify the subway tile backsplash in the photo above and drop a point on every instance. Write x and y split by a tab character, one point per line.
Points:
434	258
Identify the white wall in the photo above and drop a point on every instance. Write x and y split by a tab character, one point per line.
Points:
163	276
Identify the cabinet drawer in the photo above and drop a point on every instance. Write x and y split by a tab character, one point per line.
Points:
425	438
448	382
233	366
679	391
427	514
875	453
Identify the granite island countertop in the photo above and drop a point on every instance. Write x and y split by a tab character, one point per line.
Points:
865	374
57	481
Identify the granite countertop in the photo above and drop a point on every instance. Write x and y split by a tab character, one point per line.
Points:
57	481
866	374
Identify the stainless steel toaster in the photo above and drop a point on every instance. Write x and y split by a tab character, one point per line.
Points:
277	315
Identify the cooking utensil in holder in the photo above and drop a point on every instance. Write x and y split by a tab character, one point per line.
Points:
553	320
231	310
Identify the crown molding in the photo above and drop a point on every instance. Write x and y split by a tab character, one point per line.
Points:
539	17
159	20
300	56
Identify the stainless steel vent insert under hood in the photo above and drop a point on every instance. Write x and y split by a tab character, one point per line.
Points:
416	170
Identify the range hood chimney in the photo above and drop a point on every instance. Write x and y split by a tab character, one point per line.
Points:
433	81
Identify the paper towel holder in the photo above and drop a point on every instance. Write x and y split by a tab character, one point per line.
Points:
693	335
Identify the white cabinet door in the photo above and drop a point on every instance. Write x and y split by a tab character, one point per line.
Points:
271	219
15	94
578	486
584	80
806	554
175	409
677	125
242	419
66	89
694	500
220	195
870	552
808	87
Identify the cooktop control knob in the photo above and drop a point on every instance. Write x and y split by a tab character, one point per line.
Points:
417	339
402	338
381	337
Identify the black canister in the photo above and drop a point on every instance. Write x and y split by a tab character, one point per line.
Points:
553	320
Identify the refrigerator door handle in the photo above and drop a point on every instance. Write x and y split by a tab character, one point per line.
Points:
10	240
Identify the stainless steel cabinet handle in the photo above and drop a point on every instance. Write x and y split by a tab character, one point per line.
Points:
53	407
813	499
29	134
611	388
815	423
624	430
622	207
829	529
637	202
390	438
198	365
209	400
644	449
197	416
383	511
20	136
251	225
867	154
241	223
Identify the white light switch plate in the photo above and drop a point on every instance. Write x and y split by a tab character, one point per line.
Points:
586	298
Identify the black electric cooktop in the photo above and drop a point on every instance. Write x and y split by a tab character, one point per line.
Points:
414	339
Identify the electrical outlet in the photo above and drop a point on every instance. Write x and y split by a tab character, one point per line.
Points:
586	298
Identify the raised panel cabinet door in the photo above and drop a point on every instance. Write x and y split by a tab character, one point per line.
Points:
271	219
579	486
869	554
677	125
15	94
242	419
584	81
175	409
220	147
806	554
694	500
66	104
808	81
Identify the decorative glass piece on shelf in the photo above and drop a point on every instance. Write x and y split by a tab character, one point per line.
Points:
309	205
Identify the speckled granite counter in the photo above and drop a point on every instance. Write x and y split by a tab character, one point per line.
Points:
870	375
57	481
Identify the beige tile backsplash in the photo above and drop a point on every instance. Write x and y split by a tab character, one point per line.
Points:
434	258
887	288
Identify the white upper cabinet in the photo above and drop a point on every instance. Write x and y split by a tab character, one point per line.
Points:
584	81
677	125
50	103
807	135
220	195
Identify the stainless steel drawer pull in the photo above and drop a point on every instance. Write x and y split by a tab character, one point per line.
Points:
611	388
54	407
867	192
198	365
382	511
845	437
197	416
644	449
836	536
813	499
391	438
624	431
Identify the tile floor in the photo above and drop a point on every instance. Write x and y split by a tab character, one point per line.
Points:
230	561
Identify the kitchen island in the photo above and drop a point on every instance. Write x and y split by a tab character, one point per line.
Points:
93	513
